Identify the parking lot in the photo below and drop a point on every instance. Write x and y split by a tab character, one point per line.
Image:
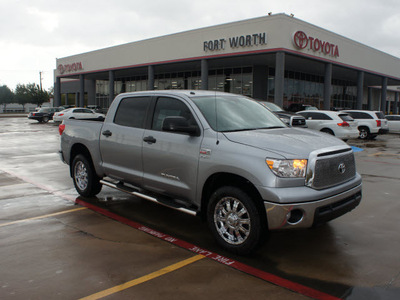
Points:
56	245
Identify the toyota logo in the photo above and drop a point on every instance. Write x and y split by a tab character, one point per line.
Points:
300	39
342	168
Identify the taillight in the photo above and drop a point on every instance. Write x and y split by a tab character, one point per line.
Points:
61	128
378	123
344	124
59	115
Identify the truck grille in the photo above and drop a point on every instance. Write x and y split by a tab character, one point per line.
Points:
298	121
330	170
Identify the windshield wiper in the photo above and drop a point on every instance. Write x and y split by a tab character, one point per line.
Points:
251	129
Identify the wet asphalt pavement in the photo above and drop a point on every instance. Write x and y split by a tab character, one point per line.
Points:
53	248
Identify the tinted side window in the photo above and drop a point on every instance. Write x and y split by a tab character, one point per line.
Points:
170	107
319	116
360	115
380	115
346	117
132	112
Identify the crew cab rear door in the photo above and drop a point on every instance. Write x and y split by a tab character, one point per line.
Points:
121	140
170	159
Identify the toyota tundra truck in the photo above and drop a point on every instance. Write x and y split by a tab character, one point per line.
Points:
223	157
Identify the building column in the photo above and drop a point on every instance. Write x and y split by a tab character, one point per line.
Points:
396	103
360	90
81	90
111	92
279	78
91	91
383	94
204	75
76	99
327	87
260	82
369	98
150	76
57	92
66	98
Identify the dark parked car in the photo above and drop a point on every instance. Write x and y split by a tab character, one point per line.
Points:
44	114
290	118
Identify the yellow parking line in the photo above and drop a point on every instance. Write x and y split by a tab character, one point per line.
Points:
43	217
143	279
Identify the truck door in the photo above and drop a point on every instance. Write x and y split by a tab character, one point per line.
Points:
121	140
170	159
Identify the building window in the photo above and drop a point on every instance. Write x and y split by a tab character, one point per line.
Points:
232	80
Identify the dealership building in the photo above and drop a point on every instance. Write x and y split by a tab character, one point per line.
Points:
277	58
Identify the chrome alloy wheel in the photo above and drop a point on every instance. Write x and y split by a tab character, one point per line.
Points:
232	220
81	175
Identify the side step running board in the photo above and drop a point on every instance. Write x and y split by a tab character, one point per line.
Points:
121	187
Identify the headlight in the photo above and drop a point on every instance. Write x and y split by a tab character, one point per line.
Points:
286	120
292	168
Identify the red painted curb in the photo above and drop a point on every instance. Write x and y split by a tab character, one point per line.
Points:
271	278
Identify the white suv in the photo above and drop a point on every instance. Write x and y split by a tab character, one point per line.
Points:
339	124
370	122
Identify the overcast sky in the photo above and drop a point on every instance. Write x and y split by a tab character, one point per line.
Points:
34	33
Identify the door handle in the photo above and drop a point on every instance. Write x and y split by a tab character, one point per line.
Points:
149	139
107	133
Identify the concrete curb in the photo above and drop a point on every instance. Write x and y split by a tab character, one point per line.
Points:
13	115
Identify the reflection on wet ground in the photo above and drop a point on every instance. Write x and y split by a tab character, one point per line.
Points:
354	257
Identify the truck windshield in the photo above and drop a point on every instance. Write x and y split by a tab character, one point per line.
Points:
227	113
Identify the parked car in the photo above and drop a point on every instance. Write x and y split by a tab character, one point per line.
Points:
370	123
393	123
339	124
44	114
77	113
290	118
295	107
238	167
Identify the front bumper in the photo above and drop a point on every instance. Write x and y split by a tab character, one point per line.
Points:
307	214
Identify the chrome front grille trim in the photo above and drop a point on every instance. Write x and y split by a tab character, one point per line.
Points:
330	167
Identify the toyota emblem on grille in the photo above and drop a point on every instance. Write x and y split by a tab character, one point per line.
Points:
342	168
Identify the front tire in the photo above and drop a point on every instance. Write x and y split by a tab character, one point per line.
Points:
86	181
235	220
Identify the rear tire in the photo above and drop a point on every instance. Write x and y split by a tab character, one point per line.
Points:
364	133
235	220
327	130
86	181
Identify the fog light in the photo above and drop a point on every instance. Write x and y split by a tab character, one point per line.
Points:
295	216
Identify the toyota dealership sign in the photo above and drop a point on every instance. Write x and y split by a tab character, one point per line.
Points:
302	41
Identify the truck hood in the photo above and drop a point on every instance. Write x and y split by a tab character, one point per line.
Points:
288	142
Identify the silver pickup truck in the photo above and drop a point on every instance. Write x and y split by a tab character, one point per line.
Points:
221	156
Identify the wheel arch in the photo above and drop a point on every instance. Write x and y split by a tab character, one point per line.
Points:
328	130
79	149
218	180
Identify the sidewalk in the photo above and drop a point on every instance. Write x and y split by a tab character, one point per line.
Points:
18	115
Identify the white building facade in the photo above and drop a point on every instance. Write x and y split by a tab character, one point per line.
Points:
276	58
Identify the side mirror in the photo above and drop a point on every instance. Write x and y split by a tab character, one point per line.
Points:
179	125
